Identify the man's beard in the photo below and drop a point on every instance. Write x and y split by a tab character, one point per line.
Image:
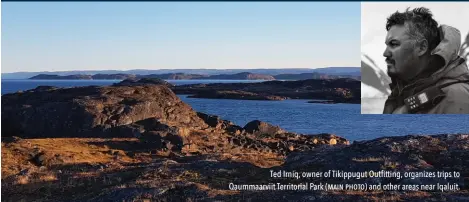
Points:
391	68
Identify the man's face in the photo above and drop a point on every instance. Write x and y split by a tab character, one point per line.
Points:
401	54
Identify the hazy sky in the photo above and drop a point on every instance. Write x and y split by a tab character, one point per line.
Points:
49	36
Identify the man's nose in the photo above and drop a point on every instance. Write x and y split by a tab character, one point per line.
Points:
387	53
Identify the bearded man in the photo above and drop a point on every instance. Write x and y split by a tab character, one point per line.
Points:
428	76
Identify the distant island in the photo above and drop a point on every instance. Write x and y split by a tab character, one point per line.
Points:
184	76
337	71
329	86
331	91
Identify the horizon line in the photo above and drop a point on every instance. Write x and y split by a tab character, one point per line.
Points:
175	69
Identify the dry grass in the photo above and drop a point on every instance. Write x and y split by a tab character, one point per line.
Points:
16	156
14	159
23	179
263	160
48	177
81	150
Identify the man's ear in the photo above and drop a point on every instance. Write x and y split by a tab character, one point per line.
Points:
422	47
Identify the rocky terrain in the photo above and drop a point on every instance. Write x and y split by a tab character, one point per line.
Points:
335	90
137	141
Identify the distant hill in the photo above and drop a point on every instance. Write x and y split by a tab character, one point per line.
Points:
352	71
301	76
314	75
177	76
183	76
174	76
113	76
67	77
242	76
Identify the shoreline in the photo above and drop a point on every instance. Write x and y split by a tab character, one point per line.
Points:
223	90
139	141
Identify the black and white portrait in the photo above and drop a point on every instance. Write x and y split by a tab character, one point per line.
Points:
415	58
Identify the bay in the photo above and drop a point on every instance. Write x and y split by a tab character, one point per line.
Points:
298	116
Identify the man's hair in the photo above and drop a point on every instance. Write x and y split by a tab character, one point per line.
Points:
419	23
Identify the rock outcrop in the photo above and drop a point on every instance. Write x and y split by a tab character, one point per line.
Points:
91	111
146	109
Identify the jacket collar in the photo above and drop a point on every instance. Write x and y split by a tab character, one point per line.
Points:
448	50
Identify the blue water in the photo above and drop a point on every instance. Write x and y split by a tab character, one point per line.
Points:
295	115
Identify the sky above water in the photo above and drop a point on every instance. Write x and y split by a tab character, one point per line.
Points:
61	36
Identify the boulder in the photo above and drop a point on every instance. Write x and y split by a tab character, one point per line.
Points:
259	127
214	121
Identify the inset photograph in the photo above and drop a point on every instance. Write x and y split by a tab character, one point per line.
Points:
414	58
